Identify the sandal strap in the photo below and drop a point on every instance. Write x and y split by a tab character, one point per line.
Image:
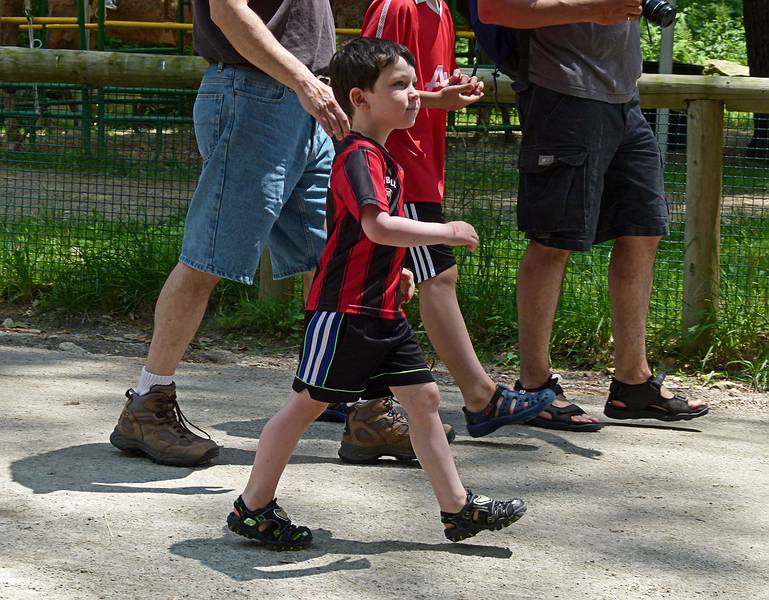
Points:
477	505
551	383
564	412
647	395
280	526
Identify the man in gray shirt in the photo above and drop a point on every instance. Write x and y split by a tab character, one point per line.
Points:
590	171
262	123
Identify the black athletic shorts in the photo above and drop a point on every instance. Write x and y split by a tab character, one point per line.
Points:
590	171
345	357
427	261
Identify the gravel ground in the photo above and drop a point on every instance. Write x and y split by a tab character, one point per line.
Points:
640	510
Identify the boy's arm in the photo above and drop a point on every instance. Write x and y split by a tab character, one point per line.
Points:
250	37
382	228
452	97
530	14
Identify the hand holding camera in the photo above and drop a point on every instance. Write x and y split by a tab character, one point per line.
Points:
614	12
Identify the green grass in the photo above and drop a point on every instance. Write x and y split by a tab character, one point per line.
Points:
88	265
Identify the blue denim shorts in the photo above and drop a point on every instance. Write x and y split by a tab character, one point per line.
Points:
266	166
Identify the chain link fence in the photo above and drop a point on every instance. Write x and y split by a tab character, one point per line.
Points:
94	185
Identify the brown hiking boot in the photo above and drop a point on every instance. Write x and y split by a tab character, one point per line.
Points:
375	428
154	424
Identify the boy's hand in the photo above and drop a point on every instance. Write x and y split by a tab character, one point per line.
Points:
459	78
457	97
407	285
462	234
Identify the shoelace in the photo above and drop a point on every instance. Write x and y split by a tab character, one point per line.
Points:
178	421
394	412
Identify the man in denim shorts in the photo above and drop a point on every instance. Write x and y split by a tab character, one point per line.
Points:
262	123
590	171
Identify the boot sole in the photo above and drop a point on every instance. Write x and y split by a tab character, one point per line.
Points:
361	456
623	414
131	446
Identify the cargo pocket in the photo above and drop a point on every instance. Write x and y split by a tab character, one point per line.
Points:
552	189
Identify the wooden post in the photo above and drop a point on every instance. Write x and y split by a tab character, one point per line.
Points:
702	238
272	289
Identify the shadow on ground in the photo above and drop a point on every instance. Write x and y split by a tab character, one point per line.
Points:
242	560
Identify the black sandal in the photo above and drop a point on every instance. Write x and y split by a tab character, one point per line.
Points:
280	534
645	401
561	415
479	513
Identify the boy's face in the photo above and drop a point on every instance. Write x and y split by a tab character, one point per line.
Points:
394	102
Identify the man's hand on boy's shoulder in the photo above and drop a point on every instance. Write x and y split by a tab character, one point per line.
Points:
318	100
407	285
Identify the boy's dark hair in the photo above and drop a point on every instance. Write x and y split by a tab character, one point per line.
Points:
358	64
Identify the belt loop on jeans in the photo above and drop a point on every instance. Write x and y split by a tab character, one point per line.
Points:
219	67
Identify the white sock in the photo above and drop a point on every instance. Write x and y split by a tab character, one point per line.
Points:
147	380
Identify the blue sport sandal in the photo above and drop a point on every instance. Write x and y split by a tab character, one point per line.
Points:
279	534
501	411
479	513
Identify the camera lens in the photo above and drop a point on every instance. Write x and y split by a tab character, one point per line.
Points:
659	12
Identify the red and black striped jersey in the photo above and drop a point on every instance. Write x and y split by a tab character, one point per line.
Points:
355	274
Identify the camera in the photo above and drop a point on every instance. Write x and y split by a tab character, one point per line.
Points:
659	12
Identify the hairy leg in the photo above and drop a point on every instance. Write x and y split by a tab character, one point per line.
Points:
178	313
631	273
540	275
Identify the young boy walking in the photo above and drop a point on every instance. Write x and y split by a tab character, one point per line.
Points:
357	341
426	28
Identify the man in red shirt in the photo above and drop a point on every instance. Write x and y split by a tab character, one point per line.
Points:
427	29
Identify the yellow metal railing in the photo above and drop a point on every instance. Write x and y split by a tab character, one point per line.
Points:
71	23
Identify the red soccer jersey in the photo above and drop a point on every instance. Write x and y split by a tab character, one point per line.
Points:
355	274
429	34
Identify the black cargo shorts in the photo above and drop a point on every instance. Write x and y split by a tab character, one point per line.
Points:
590	171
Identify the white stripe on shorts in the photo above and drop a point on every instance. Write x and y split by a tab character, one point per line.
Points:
420	255
324	323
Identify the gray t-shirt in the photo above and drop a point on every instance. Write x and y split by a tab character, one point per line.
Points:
303	27
600	62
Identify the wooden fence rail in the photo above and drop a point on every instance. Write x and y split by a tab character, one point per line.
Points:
704	98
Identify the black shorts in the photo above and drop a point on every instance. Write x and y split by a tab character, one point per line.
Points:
345	357
590	171
427	262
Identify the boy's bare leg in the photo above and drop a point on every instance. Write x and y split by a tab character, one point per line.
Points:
429	441
445	326
178	313
631	273
279	438
540	275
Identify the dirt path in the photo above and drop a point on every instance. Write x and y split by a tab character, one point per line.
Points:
639	511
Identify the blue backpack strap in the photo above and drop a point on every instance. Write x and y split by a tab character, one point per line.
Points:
506	46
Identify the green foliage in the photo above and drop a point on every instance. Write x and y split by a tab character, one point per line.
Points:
705	30
268	319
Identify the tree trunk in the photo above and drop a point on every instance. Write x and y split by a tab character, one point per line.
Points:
9	32
756	15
